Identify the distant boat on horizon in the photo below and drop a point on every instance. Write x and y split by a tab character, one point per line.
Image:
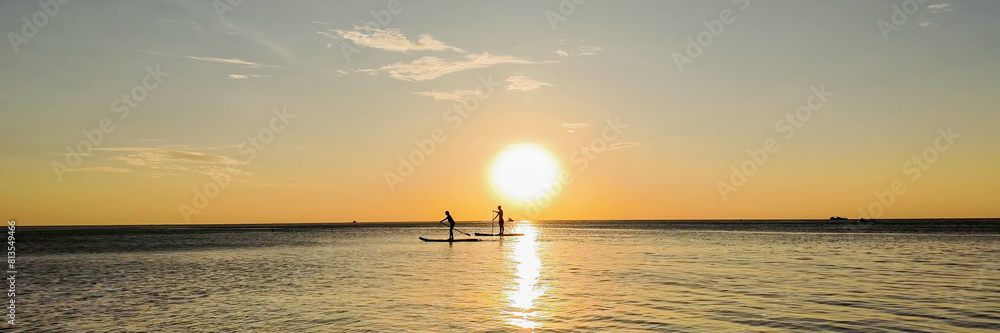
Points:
841	218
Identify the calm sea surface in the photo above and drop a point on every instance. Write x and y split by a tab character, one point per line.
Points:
933	276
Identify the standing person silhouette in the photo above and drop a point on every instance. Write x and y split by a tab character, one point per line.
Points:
451	225
499	212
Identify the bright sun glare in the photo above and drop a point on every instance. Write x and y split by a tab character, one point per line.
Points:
522	171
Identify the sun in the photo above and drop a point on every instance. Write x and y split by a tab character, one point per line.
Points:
523	171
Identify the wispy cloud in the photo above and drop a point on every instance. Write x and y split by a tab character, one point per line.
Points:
934	9
429	68
616	146
365	71
573	125
233	61
576	47
589	50
72	154
104	169
297	186
327	34
926	24
940	7
585	50
391	40
161	174
245	76
456	95
524	83
170	161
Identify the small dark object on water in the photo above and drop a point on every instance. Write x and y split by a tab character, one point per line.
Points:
450	240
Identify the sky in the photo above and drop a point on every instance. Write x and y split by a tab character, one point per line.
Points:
174	112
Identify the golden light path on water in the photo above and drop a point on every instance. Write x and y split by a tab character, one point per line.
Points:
528	268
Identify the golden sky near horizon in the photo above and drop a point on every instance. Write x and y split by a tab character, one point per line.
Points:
176	112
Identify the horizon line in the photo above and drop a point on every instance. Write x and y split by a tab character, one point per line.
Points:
482	221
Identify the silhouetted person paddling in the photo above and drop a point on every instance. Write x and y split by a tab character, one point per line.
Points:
499	212
451	225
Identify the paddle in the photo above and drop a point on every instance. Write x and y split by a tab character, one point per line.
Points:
467	234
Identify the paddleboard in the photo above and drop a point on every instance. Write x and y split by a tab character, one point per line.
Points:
453	240
495	235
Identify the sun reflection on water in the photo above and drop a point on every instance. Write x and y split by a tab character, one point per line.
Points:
522	297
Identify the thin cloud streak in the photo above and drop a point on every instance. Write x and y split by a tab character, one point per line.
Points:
172	161
940	7
232	61
524	83
104	169
429	68
573	125
392	40
615	146
456	95
245	76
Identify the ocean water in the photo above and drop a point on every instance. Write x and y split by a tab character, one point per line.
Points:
695	276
